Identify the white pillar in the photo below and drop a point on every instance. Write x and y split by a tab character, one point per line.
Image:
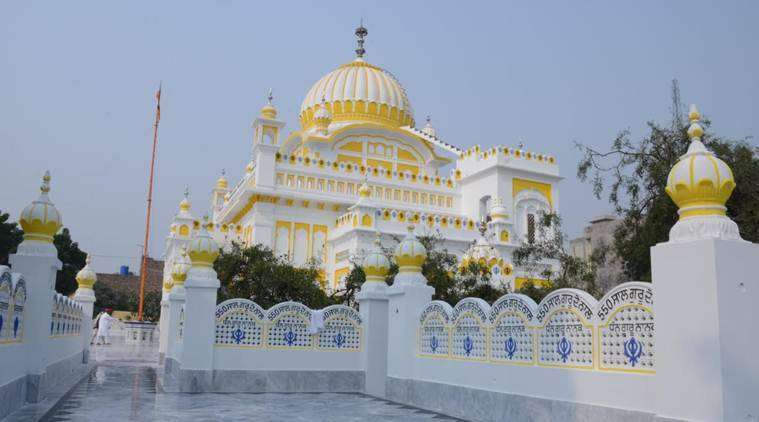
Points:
39	263
406	303
163	334
373	306
196	368
176	301
86	298
706	338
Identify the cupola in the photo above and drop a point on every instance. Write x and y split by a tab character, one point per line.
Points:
375	264
86	277
410	254
40	220
699	183
203	249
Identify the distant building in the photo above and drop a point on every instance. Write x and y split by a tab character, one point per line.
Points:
597	237
131	282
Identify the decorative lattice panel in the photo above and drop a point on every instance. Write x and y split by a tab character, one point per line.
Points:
626	328
289	324
469	329
565	334
433	337
5	306
342	329
239	322
19	302
512	337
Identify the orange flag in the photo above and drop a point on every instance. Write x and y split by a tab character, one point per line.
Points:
158	106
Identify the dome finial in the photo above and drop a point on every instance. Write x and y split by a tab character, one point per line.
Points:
269	111
185	205
361	32
700	184
40	220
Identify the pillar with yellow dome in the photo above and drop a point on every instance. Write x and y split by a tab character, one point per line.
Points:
706	296
37	260
201	285
407	297
85	296
373	305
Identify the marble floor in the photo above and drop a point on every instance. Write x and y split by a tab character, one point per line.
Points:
123	388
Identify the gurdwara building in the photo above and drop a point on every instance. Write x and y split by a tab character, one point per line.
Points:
357	165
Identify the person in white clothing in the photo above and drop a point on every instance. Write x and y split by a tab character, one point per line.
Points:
104	322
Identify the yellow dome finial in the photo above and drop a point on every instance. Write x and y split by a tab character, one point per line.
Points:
364	191
203	249
269	111
179	269
410	253
40	220
376	265
699	183
86	277
185	205
221	182
322	117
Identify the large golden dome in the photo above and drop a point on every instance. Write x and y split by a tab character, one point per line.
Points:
359	91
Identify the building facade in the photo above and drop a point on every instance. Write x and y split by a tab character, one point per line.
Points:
598	238
357	164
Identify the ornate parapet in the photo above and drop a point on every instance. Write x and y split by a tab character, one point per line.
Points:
568	329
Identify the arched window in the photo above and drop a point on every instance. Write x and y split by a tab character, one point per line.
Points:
531	228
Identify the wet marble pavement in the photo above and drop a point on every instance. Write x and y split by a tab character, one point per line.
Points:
123	388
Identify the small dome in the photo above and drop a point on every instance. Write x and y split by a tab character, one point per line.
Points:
203	249
410	254
221	182
86	277
269	111
699	183
364	191
184	206
179	269
358	91
249	168
40	219
482	252
376	265
428	129
322	117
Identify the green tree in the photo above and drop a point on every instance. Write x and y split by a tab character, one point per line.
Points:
546	258
256	273
72	258
634	175
10	236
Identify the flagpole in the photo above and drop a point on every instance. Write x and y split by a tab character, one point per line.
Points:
144	264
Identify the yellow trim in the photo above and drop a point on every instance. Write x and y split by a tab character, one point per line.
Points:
538	282
519	185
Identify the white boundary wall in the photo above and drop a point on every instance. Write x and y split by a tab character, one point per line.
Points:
44	336
624	357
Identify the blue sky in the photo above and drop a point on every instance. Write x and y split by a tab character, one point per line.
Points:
77	82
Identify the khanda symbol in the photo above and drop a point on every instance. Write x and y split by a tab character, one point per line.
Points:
238	335
290	337
564	347
511	347
339	339
433	344
468	345
633	350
